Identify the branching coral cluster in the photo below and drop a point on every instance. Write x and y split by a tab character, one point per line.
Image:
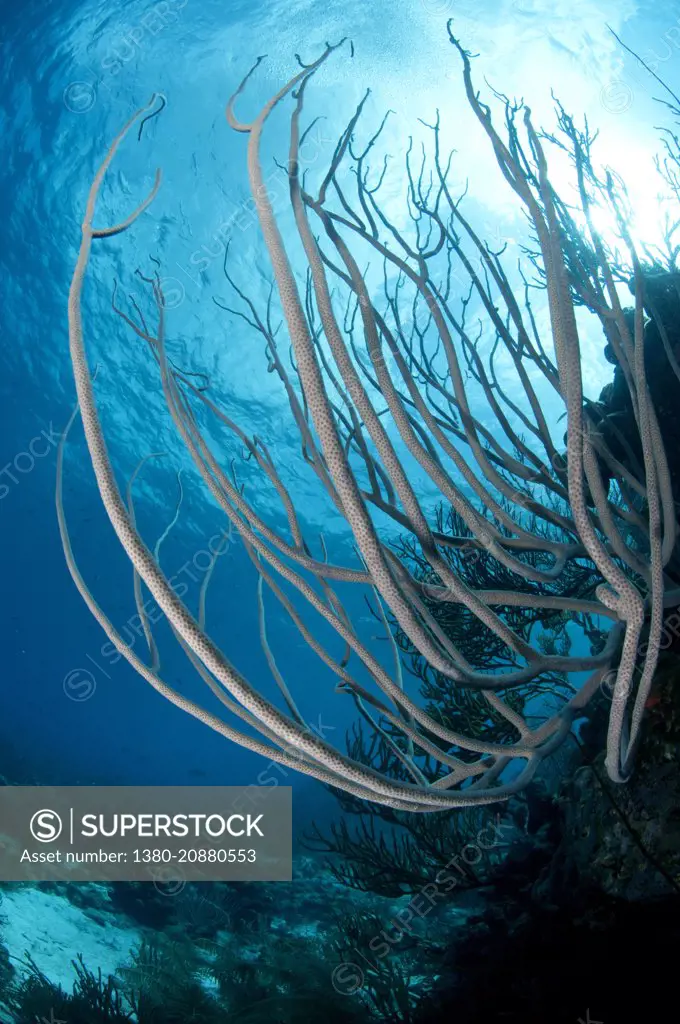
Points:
372	385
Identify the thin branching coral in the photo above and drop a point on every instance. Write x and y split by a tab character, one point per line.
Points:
586	534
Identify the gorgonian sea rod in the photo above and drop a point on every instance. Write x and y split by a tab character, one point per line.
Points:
374	381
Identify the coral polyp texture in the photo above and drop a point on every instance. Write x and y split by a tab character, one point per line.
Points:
531	538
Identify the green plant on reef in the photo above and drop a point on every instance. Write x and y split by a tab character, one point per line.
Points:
394	853
6	969
160	985
284	979
163	985
202	982
393	970
92	1001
